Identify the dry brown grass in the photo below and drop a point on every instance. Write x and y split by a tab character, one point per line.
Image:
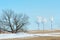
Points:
35	31
41	31
37	38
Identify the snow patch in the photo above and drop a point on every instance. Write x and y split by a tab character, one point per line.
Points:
22	35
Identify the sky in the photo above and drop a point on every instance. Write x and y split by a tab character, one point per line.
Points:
34	8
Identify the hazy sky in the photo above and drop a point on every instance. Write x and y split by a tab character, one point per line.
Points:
34	8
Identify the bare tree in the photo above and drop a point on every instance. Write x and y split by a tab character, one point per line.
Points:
51	19
13	22
39	19
38	25
44	20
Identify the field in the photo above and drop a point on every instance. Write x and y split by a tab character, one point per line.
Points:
39	37
41	31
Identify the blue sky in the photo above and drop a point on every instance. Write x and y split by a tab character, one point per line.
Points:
34	8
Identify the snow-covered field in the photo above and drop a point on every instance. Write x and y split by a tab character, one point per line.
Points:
22	35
